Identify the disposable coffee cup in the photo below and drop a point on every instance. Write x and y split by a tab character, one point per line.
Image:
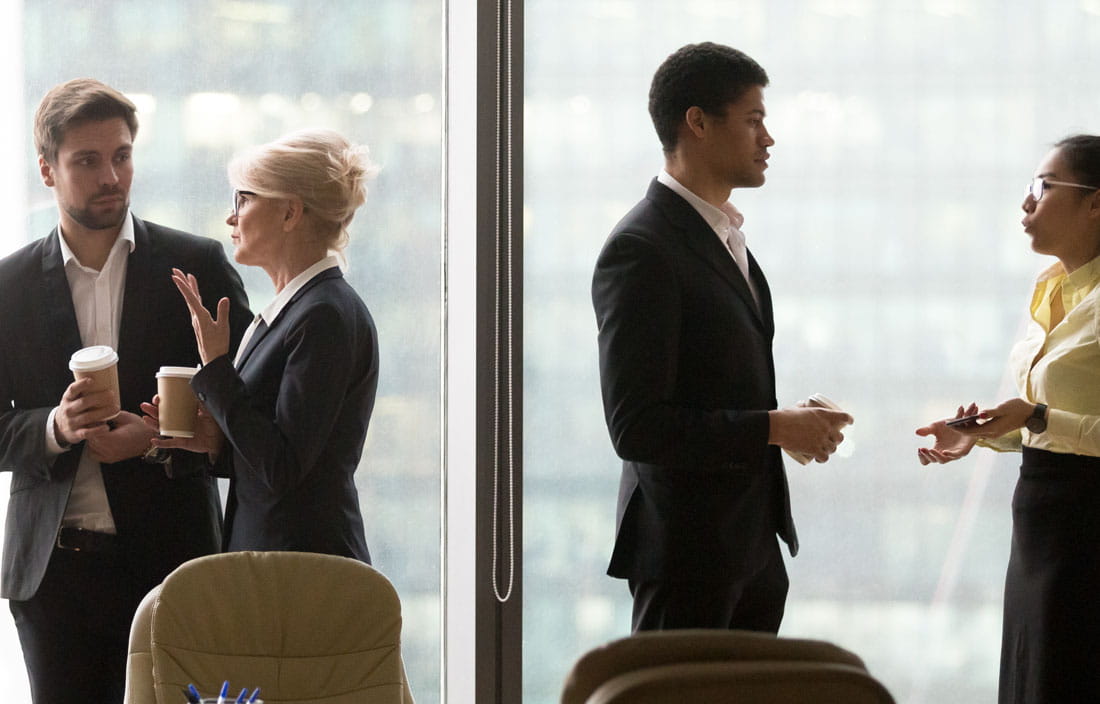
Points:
178	404
100	363
820	401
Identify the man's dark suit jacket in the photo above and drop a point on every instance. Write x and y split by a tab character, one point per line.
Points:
687	377
161	522
295	416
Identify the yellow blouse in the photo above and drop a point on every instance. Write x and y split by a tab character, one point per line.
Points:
1061	366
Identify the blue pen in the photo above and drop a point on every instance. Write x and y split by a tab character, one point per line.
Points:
225	690
255	693
241	697
194	693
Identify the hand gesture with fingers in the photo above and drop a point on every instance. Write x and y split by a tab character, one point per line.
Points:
952	442
211	333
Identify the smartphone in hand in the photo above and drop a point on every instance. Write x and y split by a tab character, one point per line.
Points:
965	420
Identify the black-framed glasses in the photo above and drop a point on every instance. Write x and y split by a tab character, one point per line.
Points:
237	202
1038	185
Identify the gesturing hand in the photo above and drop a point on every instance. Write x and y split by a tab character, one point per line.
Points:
951	442
211	333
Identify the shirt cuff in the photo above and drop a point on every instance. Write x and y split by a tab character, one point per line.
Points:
53	447
1064	425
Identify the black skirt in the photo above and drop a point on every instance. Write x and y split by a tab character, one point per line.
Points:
1050	647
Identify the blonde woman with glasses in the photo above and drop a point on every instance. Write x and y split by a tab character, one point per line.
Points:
286	418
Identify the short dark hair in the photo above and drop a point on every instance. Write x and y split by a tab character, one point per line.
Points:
707	75
73	103
1082	153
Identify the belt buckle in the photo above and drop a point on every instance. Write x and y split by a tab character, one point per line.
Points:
61	544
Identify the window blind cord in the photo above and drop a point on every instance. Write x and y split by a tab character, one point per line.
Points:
503	308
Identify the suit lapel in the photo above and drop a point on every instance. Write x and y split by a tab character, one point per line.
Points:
701	240
263	330
137	306
765	293
58	315
258	334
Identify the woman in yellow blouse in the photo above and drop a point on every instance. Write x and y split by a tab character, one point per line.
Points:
1050	648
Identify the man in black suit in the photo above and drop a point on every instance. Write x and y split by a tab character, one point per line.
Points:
91	527
685	336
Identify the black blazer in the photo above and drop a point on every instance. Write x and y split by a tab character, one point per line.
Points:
687	377
161	522
295	417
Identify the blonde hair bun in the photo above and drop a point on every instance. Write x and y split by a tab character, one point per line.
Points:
321	167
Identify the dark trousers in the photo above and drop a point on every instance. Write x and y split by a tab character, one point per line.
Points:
75	630
755	603
1050	648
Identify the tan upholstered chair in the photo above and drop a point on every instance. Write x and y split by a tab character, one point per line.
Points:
304	628
712	667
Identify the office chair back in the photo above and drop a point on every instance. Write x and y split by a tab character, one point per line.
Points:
304	628
704	666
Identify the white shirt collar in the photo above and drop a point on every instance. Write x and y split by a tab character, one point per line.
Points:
718	218
125	234
271	312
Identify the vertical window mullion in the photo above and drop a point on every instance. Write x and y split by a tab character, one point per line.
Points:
483	328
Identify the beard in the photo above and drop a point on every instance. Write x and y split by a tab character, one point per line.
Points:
98	218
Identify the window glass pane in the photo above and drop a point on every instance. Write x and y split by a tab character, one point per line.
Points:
889	231
213	77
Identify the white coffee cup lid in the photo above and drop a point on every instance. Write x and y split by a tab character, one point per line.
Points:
92	359
185	372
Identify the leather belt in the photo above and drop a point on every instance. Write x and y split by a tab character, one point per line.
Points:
80	540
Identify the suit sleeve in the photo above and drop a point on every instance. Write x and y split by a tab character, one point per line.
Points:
23	438
312	387
636	297
23	449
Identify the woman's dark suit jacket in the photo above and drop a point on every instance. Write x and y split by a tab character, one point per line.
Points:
295	416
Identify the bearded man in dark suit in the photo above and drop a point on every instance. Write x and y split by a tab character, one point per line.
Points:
685	339
91	527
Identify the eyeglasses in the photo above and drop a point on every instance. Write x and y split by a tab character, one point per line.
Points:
237	202
1038	185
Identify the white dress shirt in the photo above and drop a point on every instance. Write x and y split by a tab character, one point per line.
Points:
97	300
726	223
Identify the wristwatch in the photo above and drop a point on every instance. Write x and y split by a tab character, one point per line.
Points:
1037	422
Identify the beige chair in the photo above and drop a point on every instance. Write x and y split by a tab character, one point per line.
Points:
304	628
712	667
